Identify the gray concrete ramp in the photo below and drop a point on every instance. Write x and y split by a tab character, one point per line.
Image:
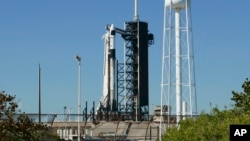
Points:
109	129
143	131
137	131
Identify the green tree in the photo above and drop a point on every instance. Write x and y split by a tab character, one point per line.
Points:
214	126
207	127
14	127
242	99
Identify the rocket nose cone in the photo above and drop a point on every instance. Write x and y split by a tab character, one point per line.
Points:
112	30
112	27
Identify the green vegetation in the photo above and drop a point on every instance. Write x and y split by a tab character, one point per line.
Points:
15	127
214	126
242	99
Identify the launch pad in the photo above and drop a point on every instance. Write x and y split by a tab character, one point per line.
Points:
125	83
125	89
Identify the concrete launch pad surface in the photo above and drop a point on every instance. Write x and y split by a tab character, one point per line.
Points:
123	130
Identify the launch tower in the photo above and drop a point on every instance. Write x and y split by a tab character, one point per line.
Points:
135	98
130	97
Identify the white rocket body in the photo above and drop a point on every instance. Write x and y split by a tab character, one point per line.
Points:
109	87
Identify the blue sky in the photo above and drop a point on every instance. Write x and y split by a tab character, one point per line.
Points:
52	32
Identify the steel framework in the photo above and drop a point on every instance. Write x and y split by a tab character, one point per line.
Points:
134	100
178	90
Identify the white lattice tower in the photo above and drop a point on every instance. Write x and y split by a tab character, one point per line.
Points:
178	74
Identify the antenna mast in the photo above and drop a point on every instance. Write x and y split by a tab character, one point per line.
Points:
39	94
136	16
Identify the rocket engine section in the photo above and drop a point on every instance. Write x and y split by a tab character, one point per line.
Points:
109	99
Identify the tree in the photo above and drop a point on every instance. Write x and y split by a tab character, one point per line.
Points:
214	126
18	127
242	99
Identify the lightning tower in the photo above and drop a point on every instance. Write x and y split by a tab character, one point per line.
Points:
178	76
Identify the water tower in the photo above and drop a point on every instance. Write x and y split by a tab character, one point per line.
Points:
178	77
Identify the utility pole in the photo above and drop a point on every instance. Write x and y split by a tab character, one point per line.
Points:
39	94
78	59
